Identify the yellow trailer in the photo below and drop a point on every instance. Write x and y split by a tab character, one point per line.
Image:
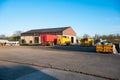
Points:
63	41
87	42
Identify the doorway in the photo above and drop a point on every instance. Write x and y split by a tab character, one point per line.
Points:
72	39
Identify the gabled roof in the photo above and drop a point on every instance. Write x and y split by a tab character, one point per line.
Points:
47	30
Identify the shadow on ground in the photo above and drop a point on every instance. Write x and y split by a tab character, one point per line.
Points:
75	48
14	72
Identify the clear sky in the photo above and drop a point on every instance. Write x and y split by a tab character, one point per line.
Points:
84	16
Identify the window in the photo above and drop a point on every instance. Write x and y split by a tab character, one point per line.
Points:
23	41
36	39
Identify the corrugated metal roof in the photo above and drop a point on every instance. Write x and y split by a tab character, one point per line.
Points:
47	30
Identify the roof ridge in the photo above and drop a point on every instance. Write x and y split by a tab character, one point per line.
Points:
50	28
59	29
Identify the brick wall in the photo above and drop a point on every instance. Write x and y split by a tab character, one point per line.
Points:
69	32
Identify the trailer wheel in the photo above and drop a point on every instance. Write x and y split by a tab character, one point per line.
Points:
67	44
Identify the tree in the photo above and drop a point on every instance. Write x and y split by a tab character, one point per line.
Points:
17	33
115	38
97	37
104	36
86	36
16	36
2	36
118	35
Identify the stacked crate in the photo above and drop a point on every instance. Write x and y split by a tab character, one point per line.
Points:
108	48
99	48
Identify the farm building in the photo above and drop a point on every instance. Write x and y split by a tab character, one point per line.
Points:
33	36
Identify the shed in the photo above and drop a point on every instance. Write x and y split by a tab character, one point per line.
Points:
33	36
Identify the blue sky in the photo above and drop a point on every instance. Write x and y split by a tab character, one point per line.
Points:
84	16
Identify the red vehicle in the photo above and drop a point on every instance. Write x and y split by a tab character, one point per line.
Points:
48	40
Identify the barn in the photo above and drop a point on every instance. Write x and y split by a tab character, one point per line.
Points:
33	36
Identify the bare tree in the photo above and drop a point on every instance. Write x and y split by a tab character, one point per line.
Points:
2	36
86	36
17	33
97	36
16	36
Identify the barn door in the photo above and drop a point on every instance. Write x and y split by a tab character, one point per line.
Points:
72	39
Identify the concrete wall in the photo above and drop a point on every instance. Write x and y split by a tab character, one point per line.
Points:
28	39
39	39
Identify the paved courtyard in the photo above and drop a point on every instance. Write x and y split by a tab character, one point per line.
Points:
21	63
